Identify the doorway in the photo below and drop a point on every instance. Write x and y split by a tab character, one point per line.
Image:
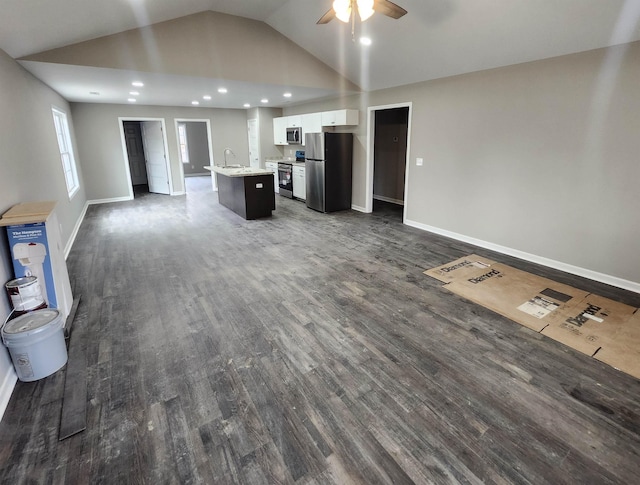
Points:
145	151
387	158
135	154
196	152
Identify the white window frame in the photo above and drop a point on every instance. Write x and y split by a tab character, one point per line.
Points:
182	142
67	158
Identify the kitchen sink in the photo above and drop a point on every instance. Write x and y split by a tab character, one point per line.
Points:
233	166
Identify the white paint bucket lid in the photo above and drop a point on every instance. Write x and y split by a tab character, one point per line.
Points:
38	323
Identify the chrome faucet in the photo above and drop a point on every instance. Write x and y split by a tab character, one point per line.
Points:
228	151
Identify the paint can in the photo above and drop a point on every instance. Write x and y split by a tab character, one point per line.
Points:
36	343
25	294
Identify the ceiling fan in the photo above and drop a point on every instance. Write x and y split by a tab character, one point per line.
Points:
344	10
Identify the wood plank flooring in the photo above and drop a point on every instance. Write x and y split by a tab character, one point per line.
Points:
308	348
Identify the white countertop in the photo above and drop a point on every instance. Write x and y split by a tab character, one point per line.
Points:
236	171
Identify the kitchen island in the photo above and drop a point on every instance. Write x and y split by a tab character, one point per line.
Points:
247	191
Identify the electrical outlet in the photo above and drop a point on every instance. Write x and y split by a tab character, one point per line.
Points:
419	162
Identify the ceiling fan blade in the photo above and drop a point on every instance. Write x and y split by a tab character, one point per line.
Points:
389	9
327	17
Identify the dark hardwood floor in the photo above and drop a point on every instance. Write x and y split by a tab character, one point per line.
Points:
308	348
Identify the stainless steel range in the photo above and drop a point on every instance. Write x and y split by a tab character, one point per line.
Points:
285	179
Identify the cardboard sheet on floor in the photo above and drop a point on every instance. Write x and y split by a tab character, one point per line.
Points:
605	329
590	324
461	268
622	351
530	300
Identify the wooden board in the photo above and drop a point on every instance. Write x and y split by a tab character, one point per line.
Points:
27	213
68	324
74	405
73	418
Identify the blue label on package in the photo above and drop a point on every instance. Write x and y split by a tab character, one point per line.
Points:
30	254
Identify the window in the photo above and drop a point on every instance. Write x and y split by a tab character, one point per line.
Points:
182	139
66	151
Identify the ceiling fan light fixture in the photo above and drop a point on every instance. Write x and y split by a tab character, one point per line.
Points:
342	8
365	9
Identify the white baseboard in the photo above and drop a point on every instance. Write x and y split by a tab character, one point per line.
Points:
199	174
388	199
182	192
107	201
551	263
74	233
358	208
6	389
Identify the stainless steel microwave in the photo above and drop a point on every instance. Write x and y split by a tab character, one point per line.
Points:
294	136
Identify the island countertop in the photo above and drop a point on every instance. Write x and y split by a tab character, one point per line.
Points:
238	171
247	191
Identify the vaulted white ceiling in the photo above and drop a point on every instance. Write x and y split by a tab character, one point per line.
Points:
437	38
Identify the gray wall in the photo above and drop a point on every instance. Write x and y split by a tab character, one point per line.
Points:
541	157
100	143
198	147
30	166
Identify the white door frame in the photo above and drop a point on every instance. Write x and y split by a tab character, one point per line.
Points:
209	141
126	155
257	134
371	126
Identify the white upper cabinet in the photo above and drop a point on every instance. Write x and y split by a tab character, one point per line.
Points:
280	131
340	117
294	121
311	123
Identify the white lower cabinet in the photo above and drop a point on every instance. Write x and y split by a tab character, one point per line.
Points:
273	168
299	183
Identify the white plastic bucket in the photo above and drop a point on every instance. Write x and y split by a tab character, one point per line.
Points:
36	343
25	294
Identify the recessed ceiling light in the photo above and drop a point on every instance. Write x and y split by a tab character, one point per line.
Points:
365	40
137	84
287	95
95	93
134	93
206	97
246	105
222	90
264	100
132	100
195	103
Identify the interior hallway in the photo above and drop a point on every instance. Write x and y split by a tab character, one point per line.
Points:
308	348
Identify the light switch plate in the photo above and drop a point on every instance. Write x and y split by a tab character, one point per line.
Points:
419	162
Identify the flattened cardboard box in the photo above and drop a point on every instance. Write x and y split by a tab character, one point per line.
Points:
590	324
461	268
623	349
530	300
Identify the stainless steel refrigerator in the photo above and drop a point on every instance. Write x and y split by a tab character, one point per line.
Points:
328	163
